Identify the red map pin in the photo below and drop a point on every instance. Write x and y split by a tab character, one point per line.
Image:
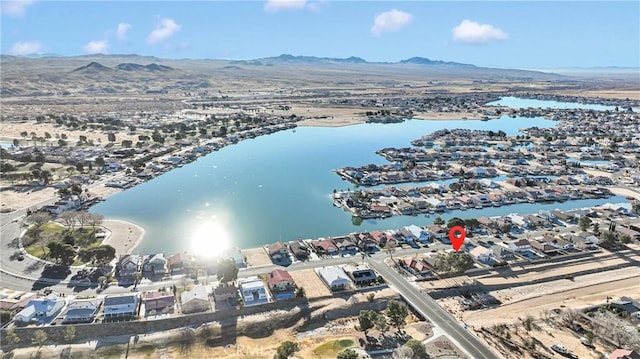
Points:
457	234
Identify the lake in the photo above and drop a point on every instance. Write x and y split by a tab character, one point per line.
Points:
516	102
279	186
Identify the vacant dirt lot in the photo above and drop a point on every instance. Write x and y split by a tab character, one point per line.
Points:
313	285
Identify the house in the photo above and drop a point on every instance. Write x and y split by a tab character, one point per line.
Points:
179	262
40	310
281	284
521	245
502	254
404	236
416	266
225	292
635	235
482	255
344	244
235	253
365	242
439	233
360	274
628	306
325	246
82	311
380	238
253	291
624	354
334	277
278	251
195	300
129	265
299	250
156	264
417	232
158	301
121	306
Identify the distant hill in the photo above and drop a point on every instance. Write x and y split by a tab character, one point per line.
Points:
153	67
291	59
93	67
426	61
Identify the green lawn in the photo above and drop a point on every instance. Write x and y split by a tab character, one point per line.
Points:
332	348
83	237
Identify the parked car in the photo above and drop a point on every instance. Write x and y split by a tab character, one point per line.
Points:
586	342
559	348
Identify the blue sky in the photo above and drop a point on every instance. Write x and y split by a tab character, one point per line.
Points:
519	34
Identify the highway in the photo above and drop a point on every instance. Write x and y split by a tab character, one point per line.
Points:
429	309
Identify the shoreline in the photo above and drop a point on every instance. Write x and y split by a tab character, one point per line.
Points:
124	236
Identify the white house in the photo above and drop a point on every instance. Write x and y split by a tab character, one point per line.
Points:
334	277
121	306
482	255
236	254
421	234
521	245
156	264
40	310
195	300
253	291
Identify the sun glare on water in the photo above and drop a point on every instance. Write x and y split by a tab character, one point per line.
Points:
209	239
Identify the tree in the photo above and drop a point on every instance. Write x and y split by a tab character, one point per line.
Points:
402	352
471	223
584	223
347	354
69	333
366	320
300	292
371	297
227	270
111	137
418	349
61	252
39	338
137	277
455	221
5	317
390	248
397	314
596	228
12	337
94	220
286	349
68	219
635	207
438	221
382	324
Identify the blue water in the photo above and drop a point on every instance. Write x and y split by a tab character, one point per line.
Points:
516	102
278	187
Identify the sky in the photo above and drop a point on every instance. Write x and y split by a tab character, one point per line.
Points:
515	34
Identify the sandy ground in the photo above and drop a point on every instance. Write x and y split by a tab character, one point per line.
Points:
574	298
124	236
256	257
450	116
313	285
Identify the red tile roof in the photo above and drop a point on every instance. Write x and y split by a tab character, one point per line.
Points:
277	276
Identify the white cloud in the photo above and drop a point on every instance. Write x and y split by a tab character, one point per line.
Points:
279	5
15	7
472	32
164	30
26	48
121	31
391	20
96	47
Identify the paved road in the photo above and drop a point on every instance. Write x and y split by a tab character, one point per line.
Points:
428	308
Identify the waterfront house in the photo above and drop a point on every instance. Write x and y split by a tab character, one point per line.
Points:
624	354
278	251
179	262
439	233
40	310
325	246
380	238
253	291
334	277
299	250
121	306
156	264
281	284
345	245
417	232
82	311
235	253
225	292
365	242
360	274
403	235
195	300
158	301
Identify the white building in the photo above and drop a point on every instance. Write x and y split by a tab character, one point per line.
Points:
195	300
253	291
40	310
334	277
